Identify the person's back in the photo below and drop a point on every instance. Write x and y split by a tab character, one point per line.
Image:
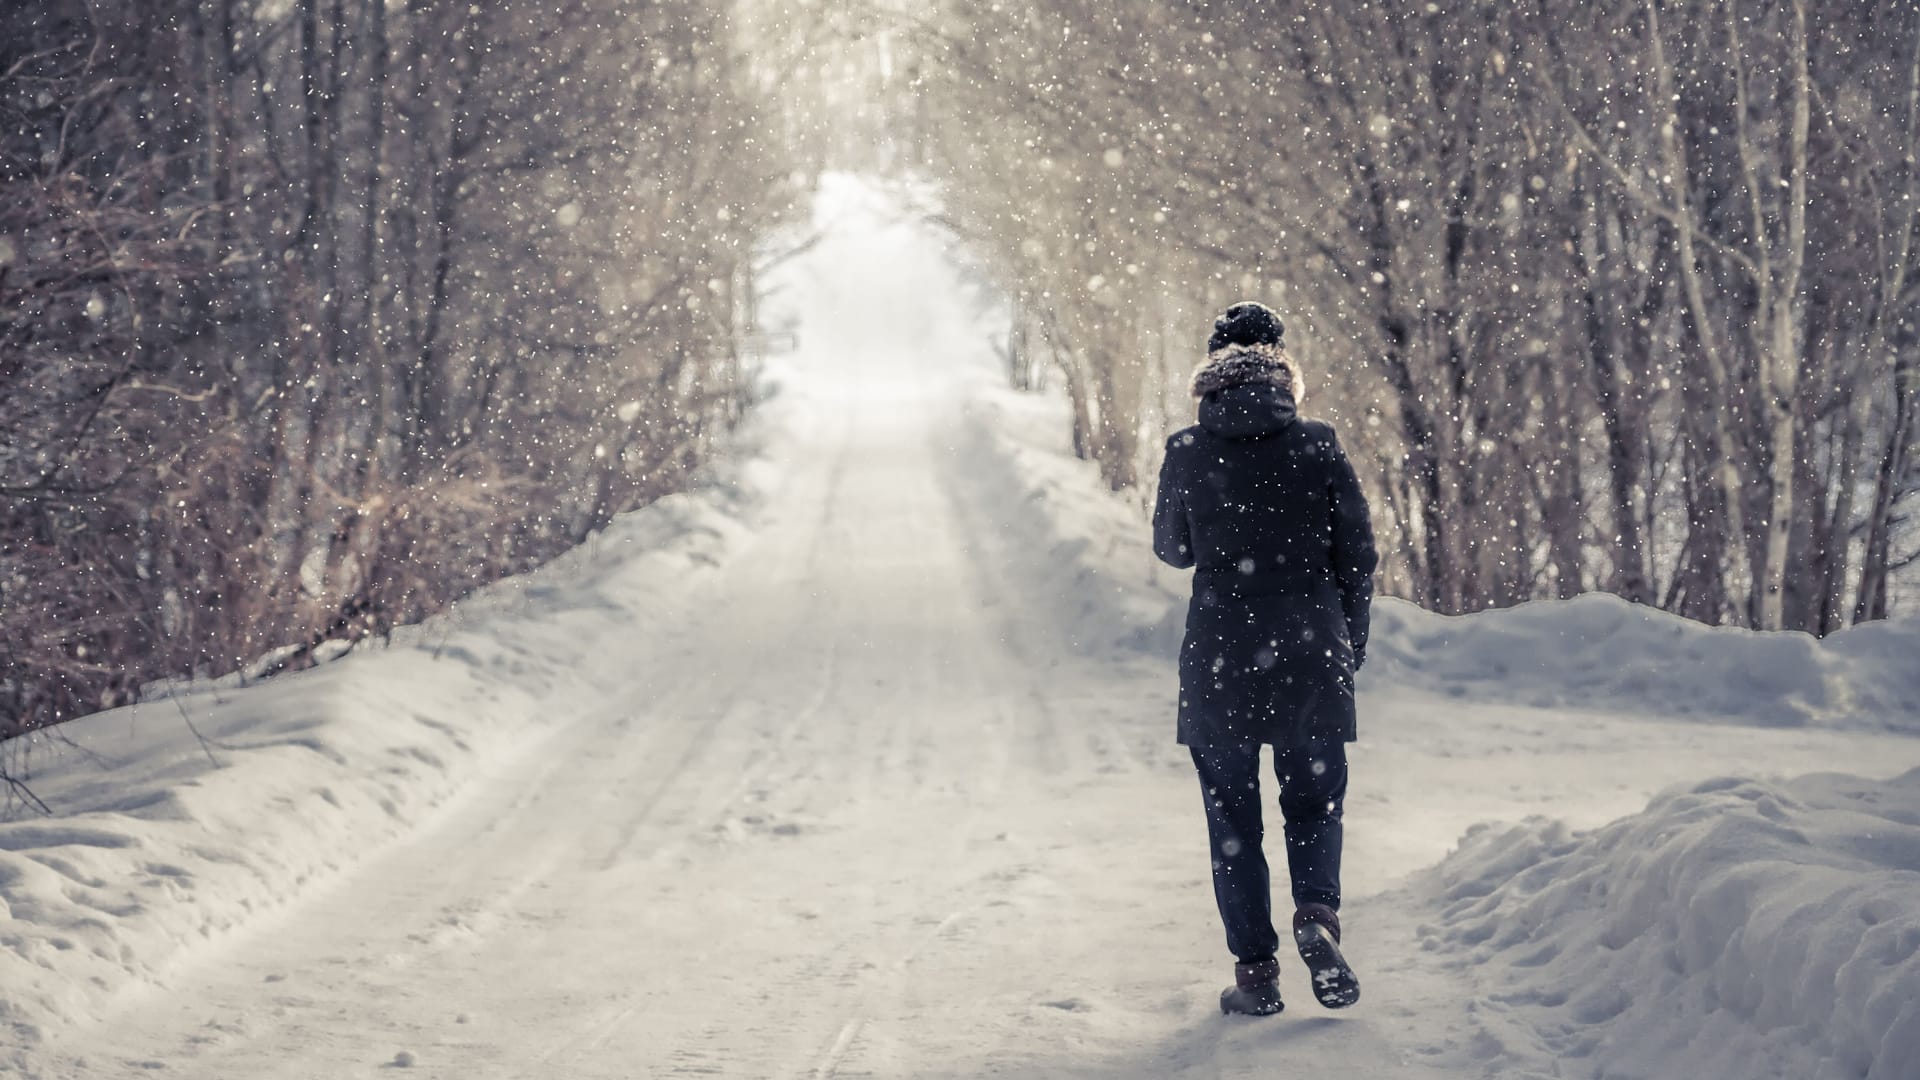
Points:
1265	506
1256	482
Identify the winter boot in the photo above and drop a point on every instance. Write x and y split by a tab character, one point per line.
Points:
1256	990
1316	929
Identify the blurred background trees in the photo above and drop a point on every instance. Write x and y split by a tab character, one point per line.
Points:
317	314
1607	296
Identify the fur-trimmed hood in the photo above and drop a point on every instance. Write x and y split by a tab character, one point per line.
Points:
1241	364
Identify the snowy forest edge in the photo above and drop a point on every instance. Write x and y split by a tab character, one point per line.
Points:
1570	294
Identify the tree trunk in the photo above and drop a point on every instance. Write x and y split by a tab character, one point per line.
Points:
1835	546
1623	465
1871	602
372	354
1780	368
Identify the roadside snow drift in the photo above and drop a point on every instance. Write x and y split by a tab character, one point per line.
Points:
1733	929
161	843
1599	650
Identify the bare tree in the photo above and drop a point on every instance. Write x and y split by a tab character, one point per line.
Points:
282	367
1450	201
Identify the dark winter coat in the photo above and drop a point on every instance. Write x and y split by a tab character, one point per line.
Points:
1266	507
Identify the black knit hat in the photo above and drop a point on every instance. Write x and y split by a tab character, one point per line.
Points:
1246	323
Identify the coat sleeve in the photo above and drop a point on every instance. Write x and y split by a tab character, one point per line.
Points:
1354	557
1172	541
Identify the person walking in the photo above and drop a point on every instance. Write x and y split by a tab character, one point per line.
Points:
1265	507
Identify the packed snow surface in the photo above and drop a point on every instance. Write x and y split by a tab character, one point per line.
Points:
859	762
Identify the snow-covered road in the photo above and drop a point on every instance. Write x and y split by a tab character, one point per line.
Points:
870	801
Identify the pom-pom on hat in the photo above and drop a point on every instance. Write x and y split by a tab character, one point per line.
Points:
1246	323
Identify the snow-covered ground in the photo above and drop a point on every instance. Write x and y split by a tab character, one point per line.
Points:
861	763
1735	928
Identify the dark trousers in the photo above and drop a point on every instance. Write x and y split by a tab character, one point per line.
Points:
1313	784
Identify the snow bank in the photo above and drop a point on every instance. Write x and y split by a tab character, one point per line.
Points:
1102	584
161	843
1599	650
1733	928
